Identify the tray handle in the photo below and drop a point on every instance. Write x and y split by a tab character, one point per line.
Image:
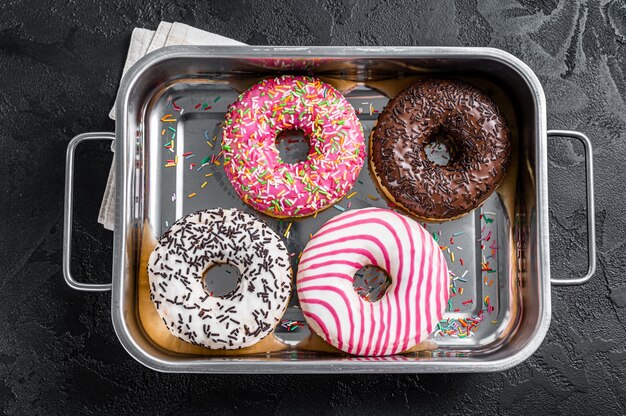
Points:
591	217
67	214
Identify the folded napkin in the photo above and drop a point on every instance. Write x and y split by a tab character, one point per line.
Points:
142	42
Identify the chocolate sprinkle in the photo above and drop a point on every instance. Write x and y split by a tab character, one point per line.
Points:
461	116
201	240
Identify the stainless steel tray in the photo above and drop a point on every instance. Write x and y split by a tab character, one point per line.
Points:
499	254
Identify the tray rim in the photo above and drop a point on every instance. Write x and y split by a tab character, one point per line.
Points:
340	365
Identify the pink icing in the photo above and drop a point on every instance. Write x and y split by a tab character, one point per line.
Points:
410	307
335	275
346	302
252	162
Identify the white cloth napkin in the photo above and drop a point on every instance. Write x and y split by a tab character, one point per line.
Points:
142	42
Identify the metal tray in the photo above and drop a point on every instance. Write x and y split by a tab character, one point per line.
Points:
501	288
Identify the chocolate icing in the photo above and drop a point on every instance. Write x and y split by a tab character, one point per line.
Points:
449	111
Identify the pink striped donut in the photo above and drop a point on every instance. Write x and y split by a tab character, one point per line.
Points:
410	308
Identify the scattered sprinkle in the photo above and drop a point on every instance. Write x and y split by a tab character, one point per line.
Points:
291	326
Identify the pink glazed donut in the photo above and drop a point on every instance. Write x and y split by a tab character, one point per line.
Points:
410	308
252	161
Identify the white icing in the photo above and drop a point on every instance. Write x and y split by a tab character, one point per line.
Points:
221	236
409	309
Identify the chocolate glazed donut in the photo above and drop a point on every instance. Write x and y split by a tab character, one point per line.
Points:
456	114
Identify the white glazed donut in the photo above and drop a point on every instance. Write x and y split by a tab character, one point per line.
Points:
409	309
221	236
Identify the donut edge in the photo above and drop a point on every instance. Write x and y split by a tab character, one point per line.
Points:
389	197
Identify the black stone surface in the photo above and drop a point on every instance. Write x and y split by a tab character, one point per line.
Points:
60	62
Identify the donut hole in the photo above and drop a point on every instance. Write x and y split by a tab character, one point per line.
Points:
371	282
293	146
440	149
220	280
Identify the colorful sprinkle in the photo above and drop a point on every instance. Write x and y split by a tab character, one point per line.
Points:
291	326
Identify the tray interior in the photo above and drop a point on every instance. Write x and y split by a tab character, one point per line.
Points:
177	124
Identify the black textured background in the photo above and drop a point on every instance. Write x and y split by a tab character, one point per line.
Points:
60	63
